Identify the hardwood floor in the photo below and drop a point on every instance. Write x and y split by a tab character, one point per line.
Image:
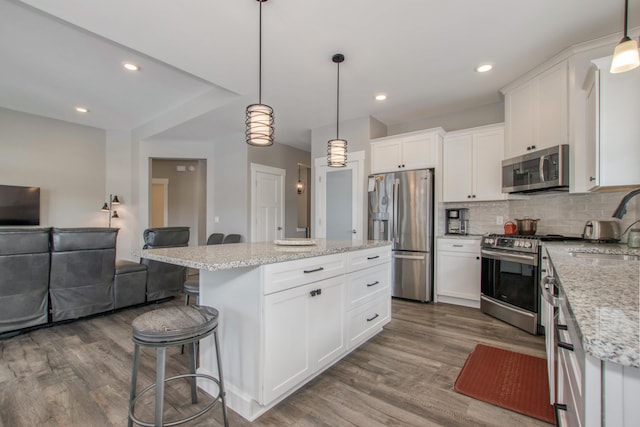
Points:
78	374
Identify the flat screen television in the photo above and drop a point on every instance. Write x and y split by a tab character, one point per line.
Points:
19	205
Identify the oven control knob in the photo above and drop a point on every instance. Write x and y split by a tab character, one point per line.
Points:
527	244
517	243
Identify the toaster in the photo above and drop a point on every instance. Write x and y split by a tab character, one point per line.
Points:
603	231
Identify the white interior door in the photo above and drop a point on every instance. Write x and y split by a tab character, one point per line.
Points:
267	203
339	199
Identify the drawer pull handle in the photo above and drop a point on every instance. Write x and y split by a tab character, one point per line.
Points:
565	345
458	246
316	292
373	257
562	327
369	320
561	406
372	284
314	270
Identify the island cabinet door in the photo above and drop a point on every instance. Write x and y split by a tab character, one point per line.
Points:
304	330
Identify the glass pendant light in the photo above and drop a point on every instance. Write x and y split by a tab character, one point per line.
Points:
259	121
337	148
625	56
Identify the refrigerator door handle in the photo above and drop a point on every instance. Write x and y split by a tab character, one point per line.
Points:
416	257
396	190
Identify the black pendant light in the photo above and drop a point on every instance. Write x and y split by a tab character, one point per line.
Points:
259	121
337	148
625	56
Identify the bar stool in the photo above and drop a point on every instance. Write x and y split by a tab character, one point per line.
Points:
191	288
168	327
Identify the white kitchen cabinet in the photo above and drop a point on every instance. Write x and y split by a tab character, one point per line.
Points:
304	331
458	271
612	129
472	163
415	150
536	112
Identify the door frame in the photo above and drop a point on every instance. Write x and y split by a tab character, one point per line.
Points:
255	169
355	162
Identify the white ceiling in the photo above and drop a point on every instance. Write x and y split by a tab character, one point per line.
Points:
204	54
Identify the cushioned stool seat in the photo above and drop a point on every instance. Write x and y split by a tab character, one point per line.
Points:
175	326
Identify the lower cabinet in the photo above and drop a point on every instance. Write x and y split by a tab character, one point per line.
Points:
304	331
458	271
309	326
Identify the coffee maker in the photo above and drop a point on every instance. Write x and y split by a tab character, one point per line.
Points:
457	221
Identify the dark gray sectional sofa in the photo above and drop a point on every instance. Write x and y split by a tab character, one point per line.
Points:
49	275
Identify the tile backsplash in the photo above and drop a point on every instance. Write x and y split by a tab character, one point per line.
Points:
559	213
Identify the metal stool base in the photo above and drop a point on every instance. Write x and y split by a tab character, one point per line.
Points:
216	399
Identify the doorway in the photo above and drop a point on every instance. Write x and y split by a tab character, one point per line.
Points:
177	196
339	199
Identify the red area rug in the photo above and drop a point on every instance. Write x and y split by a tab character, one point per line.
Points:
514	381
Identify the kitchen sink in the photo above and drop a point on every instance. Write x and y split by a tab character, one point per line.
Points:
593	255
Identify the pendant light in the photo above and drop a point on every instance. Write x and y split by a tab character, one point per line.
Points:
625	56
300	184
337	148
259	121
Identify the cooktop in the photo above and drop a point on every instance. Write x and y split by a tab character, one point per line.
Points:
521	243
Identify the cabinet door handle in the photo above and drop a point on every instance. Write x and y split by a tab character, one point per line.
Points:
473	196
373	257
315	292
369	320
477	257
533	147
314	270
561	406
468	196
458	246
592	178
372	284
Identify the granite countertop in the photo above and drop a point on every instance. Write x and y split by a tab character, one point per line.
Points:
603	297
238	255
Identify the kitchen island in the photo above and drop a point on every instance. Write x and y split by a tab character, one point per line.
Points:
598	334
287	312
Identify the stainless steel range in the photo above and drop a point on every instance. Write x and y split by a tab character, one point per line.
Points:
510	276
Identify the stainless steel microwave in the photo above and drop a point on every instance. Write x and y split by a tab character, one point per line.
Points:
542	170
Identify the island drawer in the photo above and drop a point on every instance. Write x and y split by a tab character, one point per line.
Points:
365	285
285	275
369	257
365	320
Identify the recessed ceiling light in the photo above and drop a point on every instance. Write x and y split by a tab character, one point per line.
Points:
484	68
131	66
381	97
82	109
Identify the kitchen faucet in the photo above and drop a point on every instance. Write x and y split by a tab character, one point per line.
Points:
622	207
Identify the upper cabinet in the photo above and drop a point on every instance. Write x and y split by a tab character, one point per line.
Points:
612	129
416	150
472	164
536	112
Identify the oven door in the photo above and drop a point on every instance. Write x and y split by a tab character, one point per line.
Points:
509	285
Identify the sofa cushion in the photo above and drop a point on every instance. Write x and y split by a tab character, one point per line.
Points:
73	239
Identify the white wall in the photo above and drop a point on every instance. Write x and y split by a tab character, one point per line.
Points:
119	170
65	160
232	196
472	117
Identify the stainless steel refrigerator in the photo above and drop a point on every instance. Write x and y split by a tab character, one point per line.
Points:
401	211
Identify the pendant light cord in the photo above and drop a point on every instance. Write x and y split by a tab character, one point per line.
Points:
338	104
626	12
260	57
